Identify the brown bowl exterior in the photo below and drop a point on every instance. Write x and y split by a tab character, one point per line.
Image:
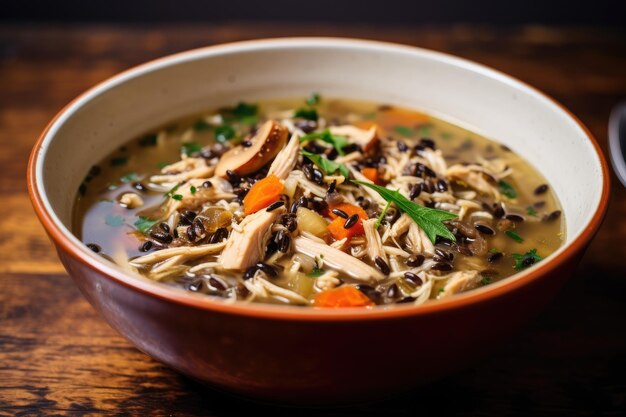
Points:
320	362
297	356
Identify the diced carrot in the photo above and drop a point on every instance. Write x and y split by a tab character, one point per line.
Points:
263	193
371	174
345	296
336	227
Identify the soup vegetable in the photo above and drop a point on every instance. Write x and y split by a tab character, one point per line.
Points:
318	202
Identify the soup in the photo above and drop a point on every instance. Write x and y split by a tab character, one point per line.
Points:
318	202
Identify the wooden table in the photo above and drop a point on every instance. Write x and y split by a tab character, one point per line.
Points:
58	357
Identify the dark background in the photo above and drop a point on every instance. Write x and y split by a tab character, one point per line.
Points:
498	12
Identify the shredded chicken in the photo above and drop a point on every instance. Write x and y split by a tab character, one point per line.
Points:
374	243
187	252
246	246
473	176
418	241
460	281
337	259
183	170
286	159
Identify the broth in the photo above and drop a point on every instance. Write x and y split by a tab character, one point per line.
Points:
508	218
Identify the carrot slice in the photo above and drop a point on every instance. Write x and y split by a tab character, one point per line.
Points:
263	193
345	296
371	174
336	227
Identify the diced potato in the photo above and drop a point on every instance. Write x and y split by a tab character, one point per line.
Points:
291	183
310	221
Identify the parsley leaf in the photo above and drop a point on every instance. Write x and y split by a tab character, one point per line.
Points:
177	197
190	148
114	220
313	99
523	261
224	133
338	142
430	220
326	164
130	177
193	190
316	272
507	189
143	224
304	113
530	210
403	130
514	235
201	125
243	109
172	190
485	280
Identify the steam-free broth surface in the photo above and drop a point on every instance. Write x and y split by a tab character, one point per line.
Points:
321	219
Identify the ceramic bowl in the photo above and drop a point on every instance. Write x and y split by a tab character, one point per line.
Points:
292	354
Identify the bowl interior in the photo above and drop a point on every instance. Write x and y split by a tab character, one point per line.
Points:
464	93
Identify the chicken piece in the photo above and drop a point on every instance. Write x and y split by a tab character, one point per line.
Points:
337	259
185	252
435	160
475	177
192	198
246	244
374	243
262	288
286	159
418	241
459	282
184	170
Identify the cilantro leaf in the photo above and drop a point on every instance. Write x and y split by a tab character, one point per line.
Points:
189	148
403	130
523	261
507	189
224	133
243	109
193	190
172	190
430	220
514	235
177	197
338	142
304	113
530	210
143	224
326	164
114	220
316	272
313	99
129	177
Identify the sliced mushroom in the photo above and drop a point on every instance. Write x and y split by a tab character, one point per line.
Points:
337	259
267	142
458	282
364	138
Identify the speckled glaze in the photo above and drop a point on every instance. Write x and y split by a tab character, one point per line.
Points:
290	354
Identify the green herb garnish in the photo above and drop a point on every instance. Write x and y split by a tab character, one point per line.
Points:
193	190
224	133
403	130
243	109
507	189
313	99
116	162
143	224
316	272
338	142
494	250
326	164
177	197
513	235
201	126
485	280
190	148
530	210
382	214
370	116
304	113
130	177
162	165
425	130
113	220
430	220
524	261
172	190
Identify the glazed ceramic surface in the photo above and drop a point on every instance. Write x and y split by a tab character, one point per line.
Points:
287	353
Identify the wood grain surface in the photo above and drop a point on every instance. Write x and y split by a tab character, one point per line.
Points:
57	357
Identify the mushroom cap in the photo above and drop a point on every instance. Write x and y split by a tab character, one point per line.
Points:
266	143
